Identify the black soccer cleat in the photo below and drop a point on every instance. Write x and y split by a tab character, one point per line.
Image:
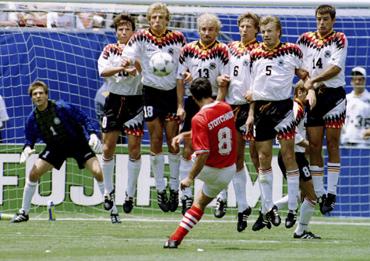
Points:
162	200
114	218
19	217
242	219
261	222
220	209
186	202
306	235
128	205
109	200
329	203
273	216
171	244
291	219
173	203
321	201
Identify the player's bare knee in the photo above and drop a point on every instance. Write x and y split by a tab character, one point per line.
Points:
288	158
315	147
264	159
108	151
98	175
95	169
36	172
333	147
34	176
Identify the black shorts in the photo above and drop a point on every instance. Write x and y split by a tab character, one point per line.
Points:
330	109
191	108
123	113
241	116
274	118
303	166
159	103
80	151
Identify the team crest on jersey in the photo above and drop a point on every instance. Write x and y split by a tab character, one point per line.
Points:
280	62
327	54
171	51
56	121
150	49
212	66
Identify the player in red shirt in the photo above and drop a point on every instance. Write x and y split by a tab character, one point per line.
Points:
214	142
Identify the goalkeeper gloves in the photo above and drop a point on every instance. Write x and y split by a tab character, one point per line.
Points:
95	143
25	154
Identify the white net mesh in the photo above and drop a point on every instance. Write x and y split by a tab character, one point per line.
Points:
66	59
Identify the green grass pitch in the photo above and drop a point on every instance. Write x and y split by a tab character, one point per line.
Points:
142	239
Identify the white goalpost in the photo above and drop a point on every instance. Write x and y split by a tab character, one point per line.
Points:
66	58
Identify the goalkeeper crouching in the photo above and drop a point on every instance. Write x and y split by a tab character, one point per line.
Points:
62	127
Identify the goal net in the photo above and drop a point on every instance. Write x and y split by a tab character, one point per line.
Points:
65	57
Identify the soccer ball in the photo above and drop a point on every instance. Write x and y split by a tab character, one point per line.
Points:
161	64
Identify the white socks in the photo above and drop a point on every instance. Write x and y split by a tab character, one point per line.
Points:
333	176
282	203
318	180
107	168
306	212
133	171
28	191
185	167
157	166
239	183
265	179
174	162
293	189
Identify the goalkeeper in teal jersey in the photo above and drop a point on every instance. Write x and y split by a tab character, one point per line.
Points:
63	128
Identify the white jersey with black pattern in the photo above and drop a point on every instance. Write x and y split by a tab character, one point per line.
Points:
272	71
239	72
121	83
320	53
144	44
208	62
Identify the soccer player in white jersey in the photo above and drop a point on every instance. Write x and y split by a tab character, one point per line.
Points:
324	57
358	111
214	141
273	67
123	112
305	179
160	97
206	58
248	24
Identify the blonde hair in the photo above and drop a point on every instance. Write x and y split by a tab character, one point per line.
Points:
161	7
209	18
37	84
271	19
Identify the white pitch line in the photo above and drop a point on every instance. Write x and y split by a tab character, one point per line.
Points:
339	223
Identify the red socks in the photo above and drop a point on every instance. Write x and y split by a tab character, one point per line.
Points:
190	219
